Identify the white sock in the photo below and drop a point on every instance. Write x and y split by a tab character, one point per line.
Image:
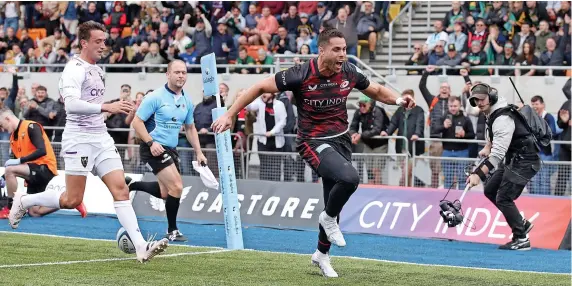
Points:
50	199
128	220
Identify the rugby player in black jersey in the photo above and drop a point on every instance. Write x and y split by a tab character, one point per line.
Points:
321	87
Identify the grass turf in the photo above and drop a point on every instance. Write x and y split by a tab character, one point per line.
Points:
222	268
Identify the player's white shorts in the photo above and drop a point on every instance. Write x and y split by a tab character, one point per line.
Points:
87	152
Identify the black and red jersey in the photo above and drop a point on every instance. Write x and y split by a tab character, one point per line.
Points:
321	100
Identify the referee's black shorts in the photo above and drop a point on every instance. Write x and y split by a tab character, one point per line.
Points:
156	164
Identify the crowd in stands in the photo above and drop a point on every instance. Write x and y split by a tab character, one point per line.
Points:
156	32
475	33
500	33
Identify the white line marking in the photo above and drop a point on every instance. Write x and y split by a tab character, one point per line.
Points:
302	254
99	239
110	259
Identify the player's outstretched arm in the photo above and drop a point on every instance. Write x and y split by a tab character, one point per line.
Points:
383	94
267	85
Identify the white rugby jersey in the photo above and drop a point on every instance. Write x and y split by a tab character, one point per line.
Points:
83	81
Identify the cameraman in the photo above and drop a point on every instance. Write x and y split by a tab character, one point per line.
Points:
510	155
455	126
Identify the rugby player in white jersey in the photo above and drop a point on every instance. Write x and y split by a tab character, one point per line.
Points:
87	146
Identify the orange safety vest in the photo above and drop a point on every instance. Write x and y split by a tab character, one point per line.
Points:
24	147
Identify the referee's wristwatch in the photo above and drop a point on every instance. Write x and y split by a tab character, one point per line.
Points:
149	143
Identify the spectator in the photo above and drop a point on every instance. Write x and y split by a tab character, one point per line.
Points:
291	21
168	18
455	126
41	109
114	121
11	38
57	40
322	15
304	39
438	108
476	57
458	38
535	13
244	59
452	59
565	124
540	184
455	15
267	25
516	17
527	58
181	40
305	25
282	44
372	120
61	58
203	121
223	44
507	58
263	59
117	18
439	37
91	14
32	59
497	15
348	26
11	15
154	57
480	34
369	24
419	58
237	25
551	57
523	36
47	58
25	42
408	123
270	121
201	34
542	35
71	16
437	54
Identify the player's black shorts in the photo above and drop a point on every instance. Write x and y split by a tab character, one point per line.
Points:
313	150
40	177
156	164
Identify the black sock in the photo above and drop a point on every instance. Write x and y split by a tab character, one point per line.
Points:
151	188
323	243
172	208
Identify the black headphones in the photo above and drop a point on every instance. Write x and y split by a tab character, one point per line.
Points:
491	91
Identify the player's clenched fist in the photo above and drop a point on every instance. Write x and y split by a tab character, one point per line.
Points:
122	106
406	101
222	124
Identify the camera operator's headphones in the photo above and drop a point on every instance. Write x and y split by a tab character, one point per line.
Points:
491	91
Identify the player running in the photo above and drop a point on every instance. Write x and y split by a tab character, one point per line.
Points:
34	161
157	123
321	87
87	146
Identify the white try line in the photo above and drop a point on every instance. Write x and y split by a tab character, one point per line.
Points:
302	254
110	259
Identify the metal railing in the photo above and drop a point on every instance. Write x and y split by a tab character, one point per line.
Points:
443	69
392	23
26	68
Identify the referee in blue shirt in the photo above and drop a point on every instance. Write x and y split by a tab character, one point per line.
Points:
157	123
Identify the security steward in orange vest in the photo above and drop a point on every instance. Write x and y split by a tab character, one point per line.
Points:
34	159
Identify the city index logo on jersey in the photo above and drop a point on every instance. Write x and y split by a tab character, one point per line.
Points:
97	92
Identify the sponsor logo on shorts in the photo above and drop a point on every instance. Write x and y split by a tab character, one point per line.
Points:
84	161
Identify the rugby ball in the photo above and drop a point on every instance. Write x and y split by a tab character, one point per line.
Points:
124	242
